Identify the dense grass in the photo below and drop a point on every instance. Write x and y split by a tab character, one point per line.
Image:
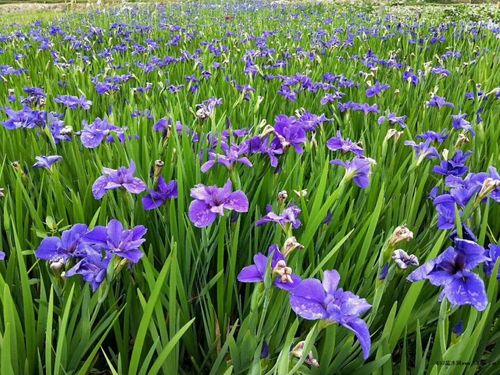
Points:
181	309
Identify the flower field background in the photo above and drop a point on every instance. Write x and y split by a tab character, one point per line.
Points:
224	188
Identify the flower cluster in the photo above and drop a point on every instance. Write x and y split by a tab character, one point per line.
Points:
88	252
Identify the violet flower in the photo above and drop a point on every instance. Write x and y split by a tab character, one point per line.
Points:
358	169
376	89
493	253
46	161
403	259
455	166
118	178
55	249
345	145
232	155
26	118
439	102
290	215
93	269
423	149
210	201
313	300
392	119
255	273
433	136
73	102
94	134
460	123
116	240
157	198
452	270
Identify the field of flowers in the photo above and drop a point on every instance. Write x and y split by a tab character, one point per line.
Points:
250	188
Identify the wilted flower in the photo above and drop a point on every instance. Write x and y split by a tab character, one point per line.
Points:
282	196
298	351
118	178
452	270
210	201
401	233
290	245
403	259
46	161
313	300
393	133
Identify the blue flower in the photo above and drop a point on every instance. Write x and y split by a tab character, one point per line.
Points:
314	300
46	161
452	270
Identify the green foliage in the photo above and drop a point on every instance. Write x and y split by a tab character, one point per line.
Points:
181	310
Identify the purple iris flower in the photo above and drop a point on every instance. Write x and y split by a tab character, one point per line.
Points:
455	166
313	300
118	178
452	270
2	255
55	249
289	215
440	71
439	102
359	169
210	201
331	98
423	149
57	129
459	122
493	253
156	198
433	136
411	77
116	240
24	119
36	96
376	89
93	268
445	206
345	145
289	133
73	102
232	155
46	161
256	273
392	119
360	107
94	134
